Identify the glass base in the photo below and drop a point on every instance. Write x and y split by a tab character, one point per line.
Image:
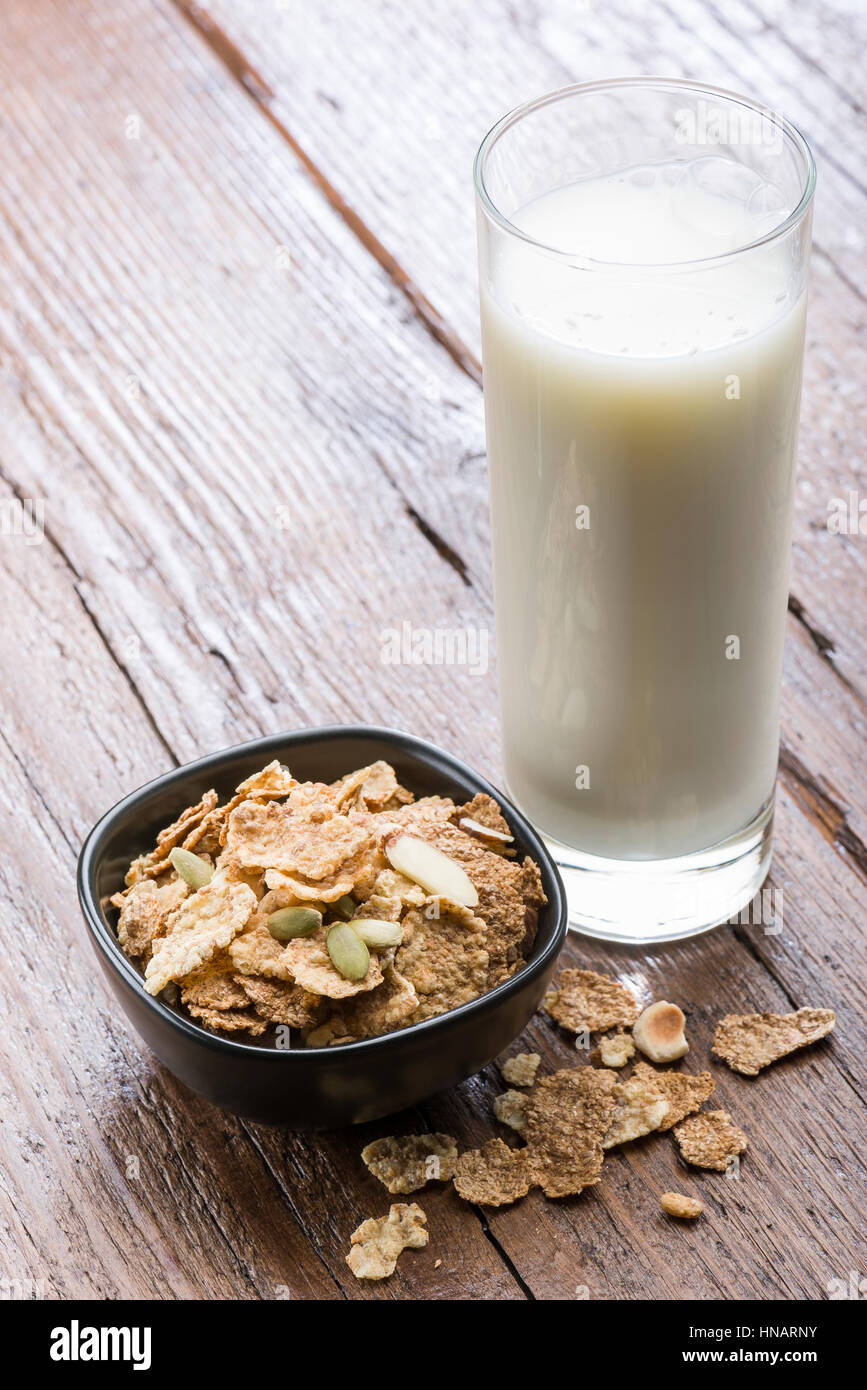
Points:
644	901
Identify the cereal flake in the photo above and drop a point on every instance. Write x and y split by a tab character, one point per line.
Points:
583	1001
492	1176
520	1070
378	1242
567	1116
203	924
749	1042
406	1163
710	1139
684	1093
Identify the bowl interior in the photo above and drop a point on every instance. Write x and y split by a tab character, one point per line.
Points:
324	755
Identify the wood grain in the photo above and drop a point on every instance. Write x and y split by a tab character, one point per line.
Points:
238	363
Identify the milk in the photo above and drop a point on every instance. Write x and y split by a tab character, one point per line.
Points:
641	427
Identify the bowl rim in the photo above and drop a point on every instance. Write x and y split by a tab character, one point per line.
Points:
109	947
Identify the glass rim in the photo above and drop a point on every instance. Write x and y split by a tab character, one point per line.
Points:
579	260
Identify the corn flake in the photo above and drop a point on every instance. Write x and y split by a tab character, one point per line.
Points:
256	952
213	985
749	1042
710	1139
443	956
684	1093
391	1005
144	911
640	1108
149	865
277	1001
521	1069
492	1176
583	1001
406	1163
567	1116
614	1051
509	1109
309	963
378	1242
203	924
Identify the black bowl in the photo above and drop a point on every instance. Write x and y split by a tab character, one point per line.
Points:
314	1088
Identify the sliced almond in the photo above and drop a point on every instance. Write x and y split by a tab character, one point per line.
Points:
659	1032
429	867
484	832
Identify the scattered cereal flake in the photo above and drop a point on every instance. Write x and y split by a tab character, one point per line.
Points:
710	1139
683	1092
312	844
493	1176
144	910
509	1109
229	1020
640	1109
614	1051
406	1163
370	788
583	1001
567	1117
308	961
256	952
391	1005
378	1242
443	956
748	1042
676	1204
277	1001
203	924
147	865
521	1069
213	985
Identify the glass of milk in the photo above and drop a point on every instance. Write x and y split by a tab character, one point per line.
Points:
643	251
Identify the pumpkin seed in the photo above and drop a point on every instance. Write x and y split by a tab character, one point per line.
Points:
344	907
349	955
373	932
193	870
289	922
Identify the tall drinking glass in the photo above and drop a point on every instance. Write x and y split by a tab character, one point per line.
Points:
643	253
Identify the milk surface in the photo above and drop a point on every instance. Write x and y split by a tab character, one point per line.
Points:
641	427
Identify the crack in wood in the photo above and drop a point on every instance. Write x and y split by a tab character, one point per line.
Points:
440	544
262	94
824	647
821	809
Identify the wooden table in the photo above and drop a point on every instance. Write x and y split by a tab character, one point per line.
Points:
239	368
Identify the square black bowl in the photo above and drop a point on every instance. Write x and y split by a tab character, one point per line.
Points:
314	1088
